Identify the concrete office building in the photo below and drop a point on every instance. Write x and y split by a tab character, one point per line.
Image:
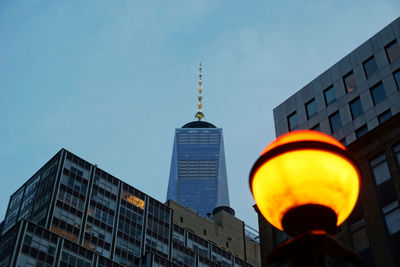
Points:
357	101
72	213
222	228
198	178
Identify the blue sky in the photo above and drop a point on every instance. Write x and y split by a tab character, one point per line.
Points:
111	80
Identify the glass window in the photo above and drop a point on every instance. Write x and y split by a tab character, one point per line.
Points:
311	108
335	122
385	116
361	131
349	81
393	51
356	108
370	67
316	127
397	78
397	152
392	217
378	93
330	95
380	169
360	236
280	236
293	121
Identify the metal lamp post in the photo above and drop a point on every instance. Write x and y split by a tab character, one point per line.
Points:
306	184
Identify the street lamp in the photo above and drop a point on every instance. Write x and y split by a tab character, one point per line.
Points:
305	183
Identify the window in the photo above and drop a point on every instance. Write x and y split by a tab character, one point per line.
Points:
397	78
293	121
392	217
330	95
311	108
380	169
130	198
397	153
349	82
280	236
335	122
359	235
361	131
370	67
393	51
378	93
385	116
360	239
316	127
356	108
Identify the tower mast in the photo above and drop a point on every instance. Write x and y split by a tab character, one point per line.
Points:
199	115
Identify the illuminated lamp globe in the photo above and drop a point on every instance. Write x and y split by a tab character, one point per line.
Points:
305	180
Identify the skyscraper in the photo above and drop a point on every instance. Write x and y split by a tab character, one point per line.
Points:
357	101
198	178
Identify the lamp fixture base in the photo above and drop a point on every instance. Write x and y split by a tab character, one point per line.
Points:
312	249
309	217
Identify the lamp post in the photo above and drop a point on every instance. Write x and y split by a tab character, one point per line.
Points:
306	184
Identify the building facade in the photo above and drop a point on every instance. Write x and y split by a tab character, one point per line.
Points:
198	178
222	228
352	97
72	213
357	101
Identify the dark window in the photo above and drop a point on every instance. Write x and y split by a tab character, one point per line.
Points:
335	122
380	169
311	108
361	131
28	239
397	153
392	217
204	232
385	116
330	95
279	236
378	93
356	108
393	51
359	235
349	81
397	78
316	127
370	67
293	121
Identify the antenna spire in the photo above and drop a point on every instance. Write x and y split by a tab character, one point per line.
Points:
199	115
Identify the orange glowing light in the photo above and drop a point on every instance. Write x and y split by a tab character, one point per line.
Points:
133	200
305	175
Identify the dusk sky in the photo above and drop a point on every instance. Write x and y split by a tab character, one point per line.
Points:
111	80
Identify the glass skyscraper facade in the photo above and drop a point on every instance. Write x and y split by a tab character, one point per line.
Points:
72	213
198	178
